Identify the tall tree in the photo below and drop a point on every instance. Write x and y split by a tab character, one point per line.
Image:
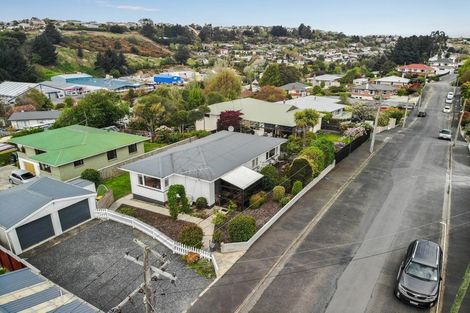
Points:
43	51
52	33
227	83
271	94
279	74
37	99
306	119
182	54
149	116
278	31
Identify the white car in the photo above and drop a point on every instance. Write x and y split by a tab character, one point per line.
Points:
446	109
450	95
18	177
449	101
445	134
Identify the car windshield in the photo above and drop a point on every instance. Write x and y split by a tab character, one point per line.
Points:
421	271
445	131
27	176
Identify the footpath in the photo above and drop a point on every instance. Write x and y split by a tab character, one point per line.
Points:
227	293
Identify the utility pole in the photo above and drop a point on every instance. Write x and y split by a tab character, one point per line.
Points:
406	111
462	110
150	273
374	131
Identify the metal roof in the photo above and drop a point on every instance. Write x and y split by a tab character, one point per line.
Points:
295	86
321	104
57	84
393	79
242	177
208	158
23	289
21	201
34	115
15	89
328	77
374	87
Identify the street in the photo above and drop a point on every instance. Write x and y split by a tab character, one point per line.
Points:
348	262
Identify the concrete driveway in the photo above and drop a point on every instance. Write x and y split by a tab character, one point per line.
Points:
5	172
90	263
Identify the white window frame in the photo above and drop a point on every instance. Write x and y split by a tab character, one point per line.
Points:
141	182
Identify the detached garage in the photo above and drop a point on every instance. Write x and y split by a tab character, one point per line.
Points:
35	212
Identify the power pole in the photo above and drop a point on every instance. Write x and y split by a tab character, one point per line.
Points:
374	131
406	111
150	273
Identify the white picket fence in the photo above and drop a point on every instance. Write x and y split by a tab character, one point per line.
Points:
174	246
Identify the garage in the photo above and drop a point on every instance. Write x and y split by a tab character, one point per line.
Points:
75	214
35	232
33	213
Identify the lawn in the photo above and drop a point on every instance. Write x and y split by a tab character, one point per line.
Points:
120	185
333	137
150	146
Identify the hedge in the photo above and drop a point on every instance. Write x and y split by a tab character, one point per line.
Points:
191	236
242	228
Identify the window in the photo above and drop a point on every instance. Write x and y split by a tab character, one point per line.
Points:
271	153
132	148
152	182
78	163
37	151
140	179
22	149
45	167
112	154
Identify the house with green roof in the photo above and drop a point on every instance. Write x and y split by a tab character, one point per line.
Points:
263	117
64	153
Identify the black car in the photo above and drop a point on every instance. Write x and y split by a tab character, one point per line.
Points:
419	276
422	114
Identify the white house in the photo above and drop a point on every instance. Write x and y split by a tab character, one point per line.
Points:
328	80
35	212
204	167
360	81
33	119
59	90
10	91
394	81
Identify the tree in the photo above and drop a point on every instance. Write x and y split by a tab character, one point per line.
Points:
148	30
177	200
111	61
52	34
43	51
149	115
278	31
271	94
304	31
37	99
300	170
227	83
229	118
306	119
279	74
98	109
13	64
182	54
363	112
118	29
92	175
241	228
214	97
316	157
80	52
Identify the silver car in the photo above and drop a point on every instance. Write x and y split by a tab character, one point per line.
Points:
445	134
18	177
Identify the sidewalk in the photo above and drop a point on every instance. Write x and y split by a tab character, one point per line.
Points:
232	288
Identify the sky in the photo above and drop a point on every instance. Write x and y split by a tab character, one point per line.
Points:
359	17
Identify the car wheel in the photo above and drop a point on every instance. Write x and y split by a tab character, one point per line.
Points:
10	181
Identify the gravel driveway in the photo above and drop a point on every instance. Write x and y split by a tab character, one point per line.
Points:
91	265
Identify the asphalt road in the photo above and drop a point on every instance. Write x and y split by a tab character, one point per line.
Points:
349	261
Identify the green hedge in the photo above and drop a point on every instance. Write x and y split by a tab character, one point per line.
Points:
242	228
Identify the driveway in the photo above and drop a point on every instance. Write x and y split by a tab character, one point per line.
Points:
5	172
90	263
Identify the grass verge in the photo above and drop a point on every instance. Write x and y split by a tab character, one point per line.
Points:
150	146
462	291
120	185
203	268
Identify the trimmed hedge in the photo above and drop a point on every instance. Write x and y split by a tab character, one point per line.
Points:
92	175
201	203
278	193
301	170
191	236
297	187
284	201
242	228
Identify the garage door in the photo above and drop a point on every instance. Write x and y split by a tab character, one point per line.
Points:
74	214
35	232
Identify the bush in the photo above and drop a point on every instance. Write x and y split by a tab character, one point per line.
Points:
92	175
301	170
395	113
177	201
270	178
257	200
297	187
316	157
219	218
242	228
191	257
384	120
328	149
201	203
278	193
217	236
191	236
232	206
127	211
284	201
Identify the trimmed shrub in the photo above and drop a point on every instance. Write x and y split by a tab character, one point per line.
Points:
328	149
191	236
177	201
127	211
270	178
278	193
242	228
301	170
201	203
92	175
219	218
384	120
284	201
316	157
232	206
297	187
217	236
257	200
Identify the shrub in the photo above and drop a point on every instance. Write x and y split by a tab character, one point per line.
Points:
191	236
395	113
270	178
316	157
191	257
297	187
201	203
384	119
232	206
278	193
217	236
219	218
301	170
127	211
177	201
284	201
328	149
242	228
257	200
92	175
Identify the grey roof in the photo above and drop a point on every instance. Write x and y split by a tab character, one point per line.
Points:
80	182
57	84
34	115
25	279
295	86
19	202
208	158
374	87
328	77
321	104
15	89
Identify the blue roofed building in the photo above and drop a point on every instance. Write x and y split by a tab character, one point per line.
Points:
169	79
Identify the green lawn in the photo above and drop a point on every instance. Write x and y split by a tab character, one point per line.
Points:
462	292
333	137
120	185
150	146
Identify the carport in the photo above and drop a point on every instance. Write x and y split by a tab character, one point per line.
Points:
38	211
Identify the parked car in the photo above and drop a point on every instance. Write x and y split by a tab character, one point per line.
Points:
419	276
450	95
18	177
445	134
446	109
422	114
449	101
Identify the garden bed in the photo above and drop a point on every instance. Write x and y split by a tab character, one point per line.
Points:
170	227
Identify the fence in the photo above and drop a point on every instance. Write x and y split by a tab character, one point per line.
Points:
12	262
350	147
242	246
174	246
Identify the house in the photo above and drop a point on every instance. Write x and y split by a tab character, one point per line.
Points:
327	80
33	213
261	116
394	81
206	167
320	104
10	91
360	81
444	63
92	83
33	119
64	153
59	90
296	89
371	91
417	69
